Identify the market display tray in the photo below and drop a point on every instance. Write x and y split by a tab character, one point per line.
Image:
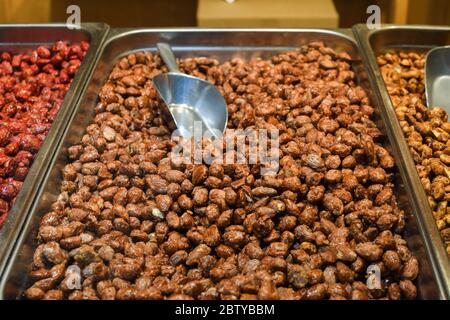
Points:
22	38
420	39
221	44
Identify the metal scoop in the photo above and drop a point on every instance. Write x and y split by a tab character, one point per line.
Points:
189	99
437	78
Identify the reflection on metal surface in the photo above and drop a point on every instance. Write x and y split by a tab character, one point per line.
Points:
187	117
437	78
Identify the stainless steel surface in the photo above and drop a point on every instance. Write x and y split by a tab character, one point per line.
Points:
437	78
192	103
420	39
21	38
166	54
220	44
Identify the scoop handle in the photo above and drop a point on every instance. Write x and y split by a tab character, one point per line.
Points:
166	53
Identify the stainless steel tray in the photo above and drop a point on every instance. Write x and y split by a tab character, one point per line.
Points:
221	44
421	39
21	38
